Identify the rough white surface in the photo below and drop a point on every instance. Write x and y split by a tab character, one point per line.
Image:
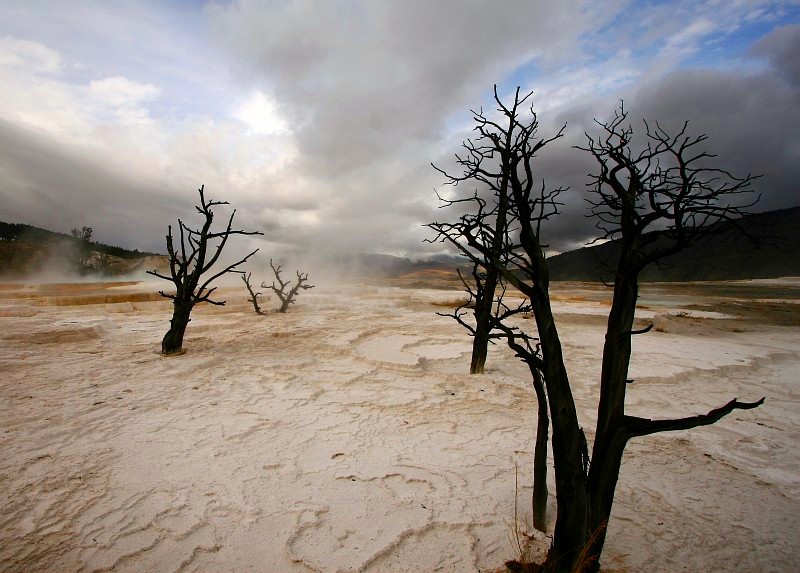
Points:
346	436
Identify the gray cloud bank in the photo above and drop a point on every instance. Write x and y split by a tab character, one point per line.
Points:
375	93
372	92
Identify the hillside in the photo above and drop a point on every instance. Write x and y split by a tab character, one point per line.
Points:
726	256
26	250
36	235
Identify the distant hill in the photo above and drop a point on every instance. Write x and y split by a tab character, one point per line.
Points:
384	266
25	249
30	234
726	256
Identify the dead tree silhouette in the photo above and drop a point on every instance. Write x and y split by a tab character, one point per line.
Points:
285	294
484	162
664	187
191	269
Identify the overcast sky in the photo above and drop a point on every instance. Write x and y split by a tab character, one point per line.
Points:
319	120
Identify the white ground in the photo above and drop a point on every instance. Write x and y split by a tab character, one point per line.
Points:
345	436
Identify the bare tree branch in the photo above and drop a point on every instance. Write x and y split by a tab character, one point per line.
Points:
644	426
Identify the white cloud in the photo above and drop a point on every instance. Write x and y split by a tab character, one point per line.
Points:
686	41
260	114
119	91
33	56
107	125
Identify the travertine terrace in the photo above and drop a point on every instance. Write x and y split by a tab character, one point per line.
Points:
346	436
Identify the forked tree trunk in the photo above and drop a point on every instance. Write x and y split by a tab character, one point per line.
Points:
569	443
173	339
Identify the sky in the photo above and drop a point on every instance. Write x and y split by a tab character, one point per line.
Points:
319	120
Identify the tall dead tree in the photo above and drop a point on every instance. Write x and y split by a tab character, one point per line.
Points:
655	203
485	164
486	233
663	188
285	294
191	265
253	295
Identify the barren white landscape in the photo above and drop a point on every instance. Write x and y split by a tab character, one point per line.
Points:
346	434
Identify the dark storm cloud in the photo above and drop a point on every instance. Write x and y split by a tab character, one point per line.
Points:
371	90
751	120
367	94
781	47
366	80
59	188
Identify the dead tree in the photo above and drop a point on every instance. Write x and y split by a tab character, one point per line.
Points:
487	232
485	163
253	295
284	293
191	269
655	203
663	188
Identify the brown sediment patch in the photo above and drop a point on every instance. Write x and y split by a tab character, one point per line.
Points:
14	296
437	279
57	335
49	288
773	313
17	311
454	303
422	284
79	300
78	294
567	298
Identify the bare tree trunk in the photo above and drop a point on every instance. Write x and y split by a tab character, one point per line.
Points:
610	437
173	339
253	295
480	350
569	450
539	498
483	322
569	442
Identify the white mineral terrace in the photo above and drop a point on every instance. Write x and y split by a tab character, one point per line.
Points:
346	435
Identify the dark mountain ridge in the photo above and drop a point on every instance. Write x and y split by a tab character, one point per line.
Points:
728	255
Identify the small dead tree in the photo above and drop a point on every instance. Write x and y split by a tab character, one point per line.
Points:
191	268
284	293
253	295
